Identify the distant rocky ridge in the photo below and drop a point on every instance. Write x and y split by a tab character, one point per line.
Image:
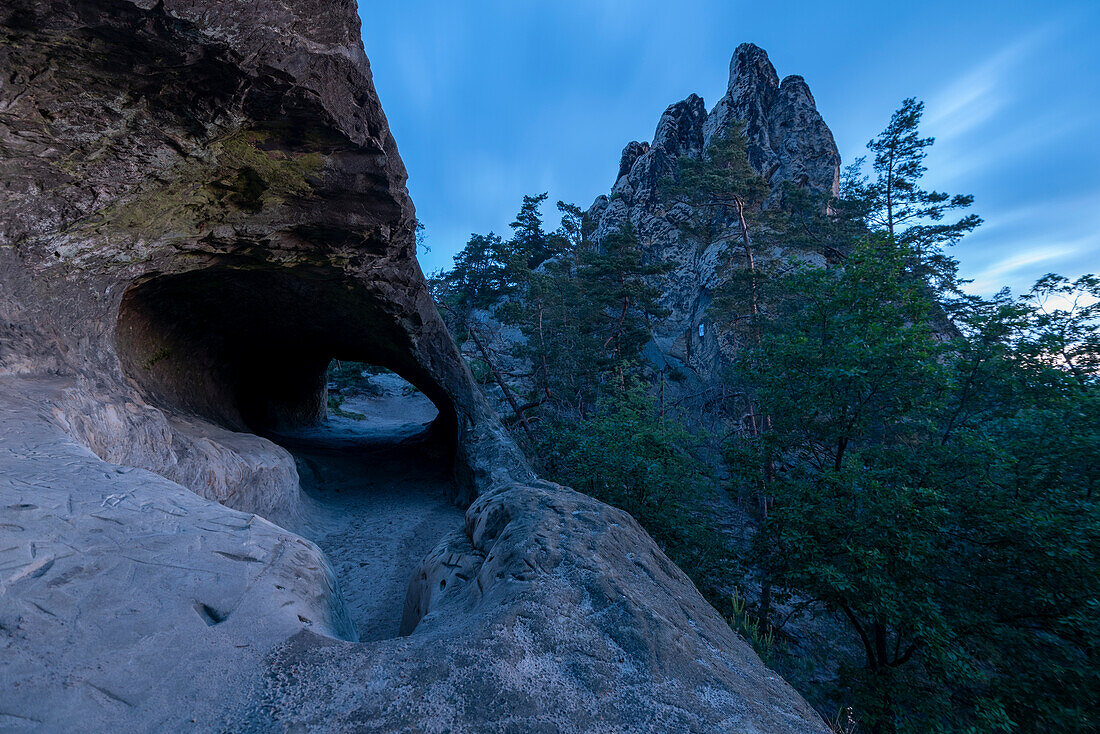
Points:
201	205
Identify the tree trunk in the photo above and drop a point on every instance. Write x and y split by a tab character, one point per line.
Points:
542	357
503	385
884	722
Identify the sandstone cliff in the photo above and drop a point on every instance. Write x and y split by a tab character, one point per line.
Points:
787	141
202	205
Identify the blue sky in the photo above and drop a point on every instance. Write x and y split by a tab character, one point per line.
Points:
493	99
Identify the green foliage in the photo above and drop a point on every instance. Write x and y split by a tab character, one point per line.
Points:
346	378
532	244
810	221
626	456
726	195
895	203
921	464
1064	331
747	624
481	273
480	370
158	355
722	181
490	268
614	279
847	335
935	493
584	309
335	406
343	374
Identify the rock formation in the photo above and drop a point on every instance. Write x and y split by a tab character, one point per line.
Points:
787	141
202	204
196	202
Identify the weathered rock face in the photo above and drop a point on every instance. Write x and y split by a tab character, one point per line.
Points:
787	141
202	205
127	601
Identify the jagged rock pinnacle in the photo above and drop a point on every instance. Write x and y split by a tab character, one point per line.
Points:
787	141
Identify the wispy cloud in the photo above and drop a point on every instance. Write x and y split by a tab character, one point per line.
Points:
1004	147
994	277
983	91
1064	213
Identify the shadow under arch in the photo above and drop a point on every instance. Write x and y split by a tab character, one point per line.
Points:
248	348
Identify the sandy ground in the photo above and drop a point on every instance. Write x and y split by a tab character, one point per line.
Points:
376	501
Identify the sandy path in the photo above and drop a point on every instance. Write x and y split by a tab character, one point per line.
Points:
376	505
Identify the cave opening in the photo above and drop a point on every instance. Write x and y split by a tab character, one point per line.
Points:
376	503
250	348
318	366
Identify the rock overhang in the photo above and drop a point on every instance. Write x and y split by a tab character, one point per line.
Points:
190	185
249	347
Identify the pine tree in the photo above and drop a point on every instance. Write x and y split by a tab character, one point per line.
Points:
530	241
621	298
910	215
479	276
938	496
725	188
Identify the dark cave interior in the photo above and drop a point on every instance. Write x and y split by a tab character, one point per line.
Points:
249	349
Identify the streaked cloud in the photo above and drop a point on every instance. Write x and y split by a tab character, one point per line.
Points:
492	99
978	95
1078	213
996	276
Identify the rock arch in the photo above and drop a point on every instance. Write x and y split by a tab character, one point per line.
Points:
249	348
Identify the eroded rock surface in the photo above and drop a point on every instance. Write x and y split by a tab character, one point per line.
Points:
202	205
548	612
127	601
